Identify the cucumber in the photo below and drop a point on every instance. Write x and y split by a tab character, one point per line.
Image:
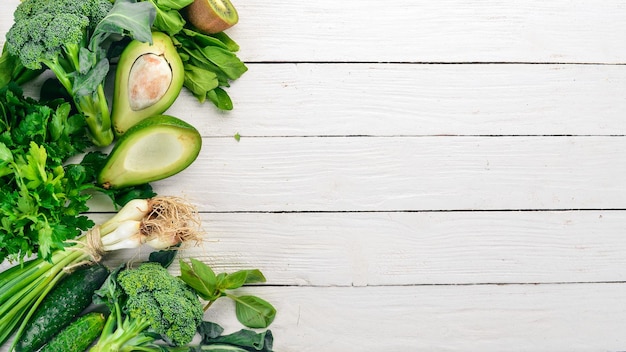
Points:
64	302
77	336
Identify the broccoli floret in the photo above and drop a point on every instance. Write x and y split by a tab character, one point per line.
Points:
95	10
155	302
173	309
51	40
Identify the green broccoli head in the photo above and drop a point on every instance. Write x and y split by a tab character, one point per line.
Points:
46	31
94	10
172	308
45	38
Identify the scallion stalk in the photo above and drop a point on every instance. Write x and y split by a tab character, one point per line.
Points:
156	222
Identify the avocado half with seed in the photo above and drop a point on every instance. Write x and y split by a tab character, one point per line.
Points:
155	148
148	79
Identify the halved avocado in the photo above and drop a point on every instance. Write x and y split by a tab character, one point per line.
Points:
155	148
148	79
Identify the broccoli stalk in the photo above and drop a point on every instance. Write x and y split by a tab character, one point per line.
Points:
147	304
71	38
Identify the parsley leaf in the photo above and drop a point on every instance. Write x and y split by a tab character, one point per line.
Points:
42	195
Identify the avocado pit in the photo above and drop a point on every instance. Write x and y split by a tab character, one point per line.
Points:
149	79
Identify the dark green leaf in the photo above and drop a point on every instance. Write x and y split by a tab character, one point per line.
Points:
169	21
173	4
248	340
110	292
199	277
127	17
163	257
234	280
228	41
200	39
209	330
220	98
200	81
253	312
228	62
87	84
242	277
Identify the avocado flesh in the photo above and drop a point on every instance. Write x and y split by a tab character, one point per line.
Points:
148	79
155	148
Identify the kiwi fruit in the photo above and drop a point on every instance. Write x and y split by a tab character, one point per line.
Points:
212	16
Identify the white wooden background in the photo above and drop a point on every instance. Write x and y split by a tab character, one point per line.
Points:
421	175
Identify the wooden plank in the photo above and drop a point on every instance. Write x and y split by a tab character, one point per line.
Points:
392	100
489	318
432	31
404	173
425	31
373	249
337	100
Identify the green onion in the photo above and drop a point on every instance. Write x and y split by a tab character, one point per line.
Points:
159	222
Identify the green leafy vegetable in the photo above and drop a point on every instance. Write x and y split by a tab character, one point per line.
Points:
43	196
240	341
168	18
251	311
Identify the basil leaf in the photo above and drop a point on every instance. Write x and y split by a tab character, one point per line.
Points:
201	278
242	277
253	312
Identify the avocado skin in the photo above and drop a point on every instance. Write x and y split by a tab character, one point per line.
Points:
122	116
114	176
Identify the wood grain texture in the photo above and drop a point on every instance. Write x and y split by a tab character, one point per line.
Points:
375	249
539	318
404	173
412	100
432	31
407	99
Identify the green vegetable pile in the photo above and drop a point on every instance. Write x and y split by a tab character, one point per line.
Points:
59	296
77	41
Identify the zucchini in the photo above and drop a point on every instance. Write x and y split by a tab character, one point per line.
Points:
64	302
77	336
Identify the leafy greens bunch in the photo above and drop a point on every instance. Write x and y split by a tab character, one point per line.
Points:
42	197
71	38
